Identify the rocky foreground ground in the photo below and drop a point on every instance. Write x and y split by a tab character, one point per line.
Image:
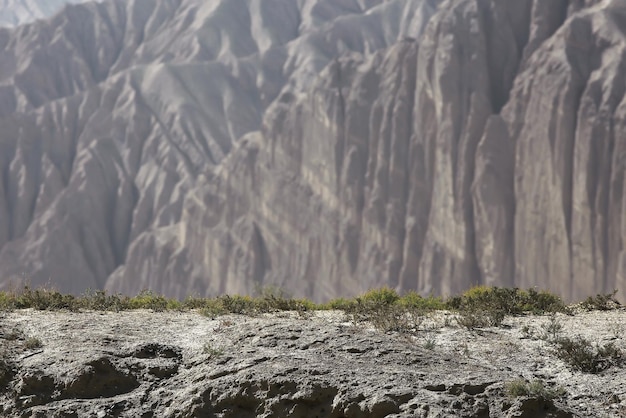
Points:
183	364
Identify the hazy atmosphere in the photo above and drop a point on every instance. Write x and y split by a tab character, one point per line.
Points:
322	146
312	208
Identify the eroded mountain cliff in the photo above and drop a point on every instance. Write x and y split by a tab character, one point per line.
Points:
323	146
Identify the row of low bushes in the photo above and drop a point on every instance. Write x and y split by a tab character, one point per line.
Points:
478	307
47	299
490	303
382	308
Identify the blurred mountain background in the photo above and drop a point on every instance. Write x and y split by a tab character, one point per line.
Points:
17	12
322	146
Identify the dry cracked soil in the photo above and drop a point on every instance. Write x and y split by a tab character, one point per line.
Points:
183	364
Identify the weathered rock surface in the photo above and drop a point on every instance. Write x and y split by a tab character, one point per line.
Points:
143	364
323	146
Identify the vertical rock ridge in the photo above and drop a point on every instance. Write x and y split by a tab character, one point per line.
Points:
429	145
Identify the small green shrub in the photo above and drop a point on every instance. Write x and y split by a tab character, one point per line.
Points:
211	351
44	299
528	332
238	304
509	301
600	302
581	355
384	314
340	304
412	302
273	299
213	308
534	389
430	344
416	301
382	296
148	300
7	301
100	300
475	318
552	329
174	305
540	302
33	343
274	304
194	302
484	306
246	305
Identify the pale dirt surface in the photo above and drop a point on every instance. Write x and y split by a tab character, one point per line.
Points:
175	364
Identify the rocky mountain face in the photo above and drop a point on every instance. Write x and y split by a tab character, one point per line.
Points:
323	146
17	12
